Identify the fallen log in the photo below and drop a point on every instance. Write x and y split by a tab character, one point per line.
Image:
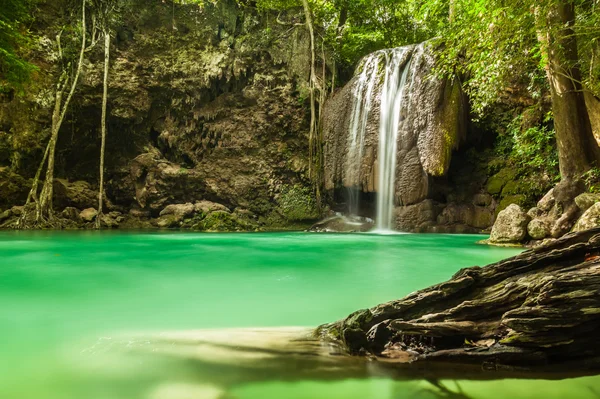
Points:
537	311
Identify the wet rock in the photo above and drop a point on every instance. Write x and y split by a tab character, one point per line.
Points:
590	219
586	200
510	226
538	229
416	217
343	224
88	214
428	136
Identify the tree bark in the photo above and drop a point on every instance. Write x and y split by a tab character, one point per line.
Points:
312	78
44	205
577	148
538	311
103	125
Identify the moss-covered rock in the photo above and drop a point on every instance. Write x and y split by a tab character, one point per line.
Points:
496	183
298	203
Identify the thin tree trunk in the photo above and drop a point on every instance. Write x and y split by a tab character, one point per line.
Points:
313	111
577	148
103	124
44	208
451	11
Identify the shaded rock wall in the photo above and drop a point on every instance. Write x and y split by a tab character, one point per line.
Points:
204	103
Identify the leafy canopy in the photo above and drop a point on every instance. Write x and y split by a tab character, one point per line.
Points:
14	43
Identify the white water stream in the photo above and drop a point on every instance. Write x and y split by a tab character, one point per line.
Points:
391	93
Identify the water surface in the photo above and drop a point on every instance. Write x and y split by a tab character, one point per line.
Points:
64	294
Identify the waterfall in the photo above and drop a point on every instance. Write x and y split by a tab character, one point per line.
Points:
361	108
387	84
392	93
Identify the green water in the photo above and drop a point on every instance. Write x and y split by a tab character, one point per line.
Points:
63	293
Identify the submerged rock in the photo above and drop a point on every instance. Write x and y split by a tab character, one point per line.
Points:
343	224
510	226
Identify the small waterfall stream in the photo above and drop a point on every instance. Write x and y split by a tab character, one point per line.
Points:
392	93
361	107
388	84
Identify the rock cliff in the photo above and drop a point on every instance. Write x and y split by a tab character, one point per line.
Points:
205	103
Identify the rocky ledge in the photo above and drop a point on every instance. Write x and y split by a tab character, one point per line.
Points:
537	311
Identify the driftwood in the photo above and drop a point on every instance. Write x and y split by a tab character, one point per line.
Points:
538	311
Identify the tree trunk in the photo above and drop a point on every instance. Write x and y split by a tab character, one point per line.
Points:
103	125
44	208
313	77
577	148
539	310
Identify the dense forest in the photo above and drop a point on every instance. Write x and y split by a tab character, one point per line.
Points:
530	72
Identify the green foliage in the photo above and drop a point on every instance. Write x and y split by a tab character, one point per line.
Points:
532	149
14	43
592	180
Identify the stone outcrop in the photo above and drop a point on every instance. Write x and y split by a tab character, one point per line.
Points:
510	226
539	310
210	109
431	127
561	210
590	219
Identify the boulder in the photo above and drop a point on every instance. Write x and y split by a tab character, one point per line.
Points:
590	219
510	226
207	207
586	200
88	214
179	210
538	229
535	212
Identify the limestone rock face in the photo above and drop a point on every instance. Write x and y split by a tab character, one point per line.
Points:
431	127
590	219
510	226
209	111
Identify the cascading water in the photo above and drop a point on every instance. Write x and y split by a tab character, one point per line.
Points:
392	93
387	84
361	107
